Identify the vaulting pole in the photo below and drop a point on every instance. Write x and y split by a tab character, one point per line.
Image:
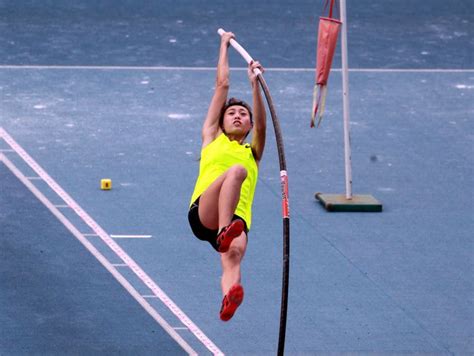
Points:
284	191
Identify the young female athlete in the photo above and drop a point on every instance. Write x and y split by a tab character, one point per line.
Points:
221	205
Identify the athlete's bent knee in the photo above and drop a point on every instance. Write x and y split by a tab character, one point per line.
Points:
238	172
234	254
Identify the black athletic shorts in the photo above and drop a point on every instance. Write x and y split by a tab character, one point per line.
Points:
202	232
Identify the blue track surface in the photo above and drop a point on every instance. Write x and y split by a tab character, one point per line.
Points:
57	298
395	282
388	34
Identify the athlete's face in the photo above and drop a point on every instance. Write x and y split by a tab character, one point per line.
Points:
237	120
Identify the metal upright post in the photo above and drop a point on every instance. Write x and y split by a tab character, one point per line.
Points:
347	202
345	101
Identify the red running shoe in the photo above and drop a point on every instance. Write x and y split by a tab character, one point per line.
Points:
230	232
231	302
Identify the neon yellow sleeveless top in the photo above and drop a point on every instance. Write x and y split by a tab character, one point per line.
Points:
219	156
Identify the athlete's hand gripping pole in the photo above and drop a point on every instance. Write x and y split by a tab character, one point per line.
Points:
242	51
284	188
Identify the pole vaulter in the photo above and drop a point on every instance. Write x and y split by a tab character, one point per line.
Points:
284	191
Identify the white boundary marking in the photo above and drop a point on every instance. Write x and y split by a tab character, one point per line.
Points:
203	69
114	247
170	330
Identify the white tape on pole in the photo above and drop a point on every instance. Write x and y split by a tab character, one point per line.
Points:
241	50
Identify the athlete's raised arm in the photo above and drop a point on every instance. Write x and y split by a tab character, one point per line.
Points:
211	128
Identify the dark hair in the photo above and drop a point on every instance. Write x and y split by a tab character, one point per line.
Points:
233	102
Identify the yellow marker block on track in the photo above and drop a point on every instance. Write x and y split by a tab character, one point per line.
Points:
106	184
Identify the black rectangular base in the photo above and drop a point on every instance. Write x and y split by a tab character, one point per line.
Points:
358	203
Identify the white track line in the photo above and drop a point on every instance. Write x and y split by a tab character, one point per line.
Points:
98	256
205	69
112	245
